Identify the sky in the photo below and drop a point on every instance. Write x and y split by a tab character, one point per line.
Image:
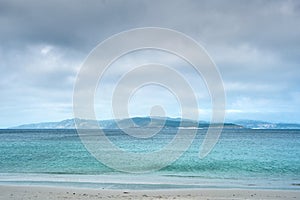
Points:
254	44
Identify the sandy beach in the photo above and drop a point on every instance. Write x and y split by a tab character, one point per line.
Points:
35	192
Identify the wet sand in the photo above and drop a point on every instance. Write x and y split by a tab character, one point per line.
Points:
43	193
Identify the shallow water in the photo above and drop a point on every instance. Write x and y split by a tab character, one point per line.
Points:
241	158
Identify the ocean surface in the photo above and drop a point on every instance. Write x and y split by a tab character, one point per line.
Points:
242	158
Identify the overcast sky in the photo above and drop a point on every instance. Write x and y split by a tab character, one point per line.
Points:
255	45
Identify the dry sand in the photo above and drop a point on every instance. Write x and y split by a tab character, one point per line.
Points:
43	193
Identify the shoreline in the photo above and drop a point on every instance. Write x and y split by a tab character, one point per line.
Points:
143	182
49	192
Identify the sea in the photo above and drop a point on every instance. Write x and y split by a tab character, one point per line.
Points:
242	158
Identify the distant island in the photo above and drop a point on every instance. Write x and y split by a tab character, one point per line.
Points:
147	122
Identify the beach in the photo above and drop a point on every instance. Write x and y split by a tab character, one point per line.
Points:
37	192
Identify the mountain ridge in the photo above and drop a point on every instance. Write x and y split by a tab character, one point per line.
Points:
143	122
148	122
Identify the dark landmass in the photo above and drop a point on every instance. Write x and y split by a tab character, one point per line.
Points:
144	122
147	122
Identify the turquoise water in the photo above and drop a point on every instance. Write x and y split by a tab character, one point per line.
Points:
241	158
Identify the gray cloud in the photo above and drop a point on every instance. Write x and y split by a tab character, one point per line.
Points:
255	44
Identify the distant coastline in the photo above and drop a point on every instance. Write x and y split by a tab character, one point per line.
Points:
147	122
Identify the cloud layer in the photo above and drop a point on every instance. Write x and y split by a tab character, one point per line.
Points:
255	45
